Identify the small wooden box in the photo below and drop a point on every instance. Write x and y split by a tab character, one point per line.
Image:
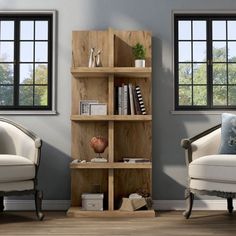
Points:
92	201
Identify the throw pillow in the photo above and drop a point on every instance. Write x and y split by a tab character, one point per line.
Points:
228	134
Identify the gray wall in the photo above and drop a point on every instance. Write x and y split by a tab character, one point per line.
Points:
169	173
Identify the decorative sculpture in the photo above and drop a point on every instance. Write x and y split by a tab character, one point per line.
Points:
99	144
91	58
94	59
98	59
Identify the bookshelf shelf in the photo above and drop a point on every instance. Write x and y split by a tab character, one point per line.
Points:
106	71
127	135
108	165
111	118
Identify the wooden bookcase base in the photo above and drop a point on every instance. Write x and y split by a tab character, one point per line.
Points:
77	212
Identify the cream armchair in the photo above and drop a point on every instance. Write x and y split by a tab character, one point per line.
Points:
19	162
209	173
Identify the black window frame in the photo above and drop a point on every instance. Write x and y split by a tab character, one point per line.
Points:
209	42
31	16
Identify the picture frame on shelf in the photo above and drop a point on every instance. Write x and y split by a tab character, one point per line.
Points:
84	106
98	109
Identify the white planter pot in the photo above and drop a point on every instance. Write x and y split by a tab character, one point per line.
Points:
139	63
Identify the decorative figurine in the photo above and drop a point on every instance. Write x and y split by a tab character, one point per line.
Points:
99	145
98	59
94	59
91	58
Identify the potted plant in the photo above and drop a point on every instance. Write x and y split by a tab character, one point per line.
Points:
139	53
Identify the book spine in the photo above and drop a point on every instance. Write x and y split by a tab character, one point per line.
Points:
125	101
140	100
136	103
119	100
131	99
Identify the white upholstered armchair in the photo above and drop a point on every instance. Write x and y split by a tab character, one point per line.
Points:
209	172
19	162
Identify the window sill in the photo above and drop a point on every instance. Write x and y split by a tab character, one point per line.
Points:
28	113
202	112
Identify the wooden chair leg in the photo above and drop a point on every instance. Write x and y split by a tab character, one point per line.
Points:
38	204
189	200
230	204
1	204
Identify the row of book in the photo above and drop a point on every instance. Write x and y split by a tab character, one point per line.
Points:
129	100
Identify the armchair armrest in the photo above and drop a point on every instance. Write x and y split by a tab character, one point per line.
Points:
205	143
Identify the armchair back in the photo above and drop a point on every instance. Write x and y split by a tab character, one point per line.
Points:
16	140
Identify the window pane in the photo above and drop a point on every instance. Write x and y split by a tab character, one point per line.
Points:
26	51
41	52
219	73
199	73
232	73
232	51
185	95
26	73
26	30
231	30
6	95
7	51
6	73
184	51
199	30
41	96
232	95
41	73
184	30
185	73
199	95
199	52
219	51
26	96
7	30
219	30
41	30
219	95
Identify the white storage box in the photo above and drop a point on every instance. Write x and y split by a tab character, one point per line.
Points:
92	201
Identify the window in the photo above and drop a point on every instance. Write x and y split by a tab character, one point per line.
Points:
205	62
26	61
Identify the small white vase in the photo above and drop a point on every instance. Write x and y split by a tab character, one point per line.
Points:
139	63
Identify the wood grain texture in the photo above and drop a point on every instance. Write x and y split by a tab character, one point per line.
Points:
110	165
128	136
88	181
131	118
82	41
170	223
124	41
130	181
133	139
98	72
77	212
81	146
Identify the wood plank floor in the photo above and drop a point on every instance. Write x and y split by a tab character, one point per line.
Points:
165	224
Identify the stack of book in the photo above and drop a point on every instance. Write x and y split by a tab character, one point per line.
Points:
129	100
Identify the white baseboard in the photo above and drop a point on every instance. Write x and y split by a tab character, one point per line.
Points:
197	204
29	205
56	205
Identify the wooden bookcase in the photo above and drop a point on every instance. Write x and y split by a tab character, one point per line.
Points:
128	135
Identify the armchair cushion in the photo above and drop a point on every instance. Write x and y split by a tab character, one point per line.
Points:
15	168
214	168
228	134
